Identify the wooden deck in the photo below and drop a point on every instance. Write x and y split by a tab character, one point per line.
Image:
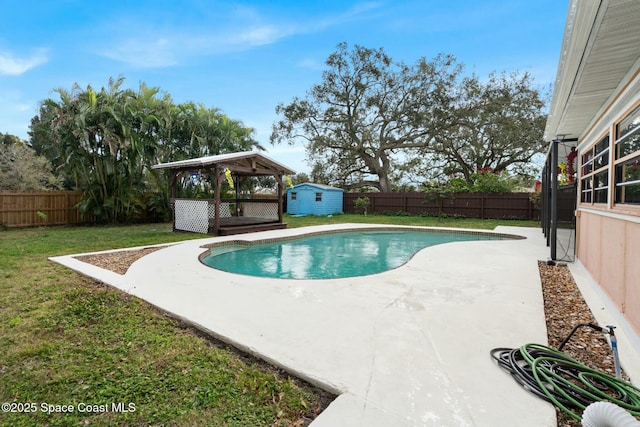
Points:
241	225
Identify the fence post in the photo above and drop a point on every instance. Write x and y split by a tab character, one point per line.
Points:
67	217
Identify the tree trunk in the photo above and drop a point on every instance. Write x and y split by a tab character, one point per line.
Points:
383	179
382	169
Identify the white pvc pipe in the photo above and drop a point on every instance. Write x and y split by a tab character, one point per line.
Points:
607	414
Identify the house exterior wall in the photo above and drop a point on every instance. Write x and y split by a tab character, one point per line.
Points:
608	248
608	209
305	203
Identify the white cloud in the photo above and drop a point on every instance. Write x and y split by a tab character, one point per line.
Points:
13	66
172	49
262	35
243	29
141	53
311	64
358	11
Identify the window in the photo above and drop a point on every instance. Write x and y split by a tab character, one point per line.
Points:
318	197
627	162
628	181
594	182
294	195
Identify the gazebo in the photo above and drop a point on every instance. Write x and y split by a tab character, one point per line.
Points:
220	216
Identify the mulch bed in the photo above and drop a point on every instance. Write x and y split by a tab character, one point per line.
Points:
565	308
118	262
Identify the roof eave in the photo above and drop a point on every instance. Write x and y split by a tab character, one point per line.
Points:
225	159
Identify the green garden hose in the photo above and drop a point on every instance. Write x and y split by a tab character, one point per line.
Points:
563	381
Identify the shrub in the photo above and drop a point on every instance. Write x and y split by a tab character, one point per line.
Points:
362	204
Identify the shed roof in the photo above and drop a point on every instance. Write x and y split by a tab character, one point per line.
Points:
319	186
241	163
598	57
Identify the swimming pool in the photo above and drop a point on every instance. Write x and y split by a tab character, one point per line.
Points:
330	255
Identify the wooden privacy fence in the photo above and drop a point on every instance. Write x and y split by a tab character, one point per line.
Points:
34	208
469	205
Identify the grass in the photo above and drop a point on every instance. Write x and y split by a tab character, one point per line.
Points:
67	340
486	224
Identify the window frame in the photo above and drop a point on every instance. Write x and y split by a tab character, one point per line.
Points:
623	158
593	175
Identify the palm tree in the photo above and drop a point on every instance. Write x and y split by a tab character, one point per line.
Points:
107	141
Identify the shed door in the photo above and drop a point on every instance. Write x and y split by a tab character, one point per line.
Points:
306	201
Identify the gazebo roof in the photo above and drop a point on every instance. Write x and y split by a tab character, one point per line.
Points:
241	163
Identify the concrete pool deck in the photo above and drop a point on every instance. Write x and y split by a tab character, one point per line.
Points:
407	347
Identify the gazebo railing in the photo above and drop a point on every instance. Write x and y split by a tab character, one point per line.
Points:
252	208
198	215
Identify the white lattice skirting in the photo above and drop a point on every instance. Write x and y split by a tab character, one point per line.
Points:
261	210
192	215
225	210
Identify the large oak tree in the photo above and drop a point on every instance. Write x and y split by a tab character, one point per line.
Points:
498	125
375	122
369	115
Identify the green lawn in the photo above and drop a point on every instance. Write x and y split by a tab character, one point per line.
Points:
487	224
67	340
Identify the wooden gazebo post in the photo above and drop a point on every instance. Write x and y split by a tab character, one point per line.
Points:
218	179
174	193
278	177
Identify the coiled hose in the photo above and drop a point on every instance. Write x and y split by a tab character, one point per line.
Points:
563	381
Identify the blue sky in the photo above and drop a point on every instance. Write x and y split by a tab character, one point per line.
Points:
245	57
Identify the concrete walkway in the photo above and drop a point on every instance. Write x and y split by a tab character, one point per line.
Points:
408	347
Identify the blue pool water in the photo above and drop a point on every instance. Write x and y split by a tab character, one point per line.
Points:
327	256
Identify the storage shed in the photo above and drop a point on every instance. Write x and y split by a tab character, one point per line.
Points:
314	199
